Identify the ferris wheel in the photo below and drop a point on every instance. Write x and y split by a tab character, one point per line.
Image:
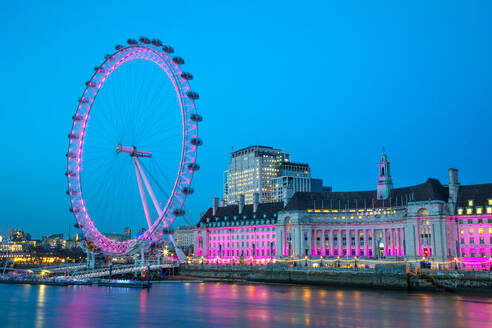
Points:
138	141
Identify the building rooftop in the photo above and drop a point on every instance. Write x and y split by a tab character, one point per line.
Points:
479	193
268	210
256	148
432	189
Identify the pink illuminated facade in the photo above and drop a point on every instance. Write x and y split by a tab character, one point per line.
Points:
238	233
447	225
474	222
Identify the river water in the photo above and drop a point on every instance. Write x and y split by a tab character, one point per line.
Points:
236	305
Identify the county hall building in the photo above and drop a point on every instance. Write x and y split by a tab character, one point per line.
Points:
448	225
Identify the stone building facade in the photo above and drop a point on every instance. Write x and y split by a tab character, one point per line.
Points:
448	225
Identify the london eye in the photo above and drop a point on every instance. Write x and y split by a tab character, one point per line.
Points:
133	147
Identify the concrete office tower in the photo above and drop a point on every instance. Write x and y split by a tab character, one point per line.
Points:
252	170
292	177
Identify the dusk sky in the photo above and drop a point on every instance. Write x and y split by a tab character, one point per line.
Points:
331	82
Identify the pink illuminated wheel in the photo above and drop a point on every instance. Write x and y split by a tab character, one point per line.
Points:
132	153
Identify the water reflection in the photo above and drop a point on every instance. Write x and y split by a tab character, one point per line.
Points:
40	307
238	305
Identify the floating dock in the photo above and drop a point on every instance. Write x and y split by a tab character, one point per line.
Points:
124	283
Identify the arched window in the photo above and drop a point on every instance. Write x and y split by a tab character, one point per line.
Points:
423	212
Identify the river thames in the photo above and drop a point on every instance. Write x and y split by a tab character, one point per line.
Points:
236	305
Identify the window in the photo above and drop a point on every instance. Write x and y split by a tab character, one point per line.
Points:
490	230
469	210
480	230
462	231
489	201
470	230
460	211
470	203
479	210
489	210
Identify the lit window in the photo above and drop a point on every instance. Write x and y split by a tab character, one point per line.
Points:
462	231
479	210
470	203
490	230
470	230
427	222
460	211
480	230
490	201
489	210
343	217
469	210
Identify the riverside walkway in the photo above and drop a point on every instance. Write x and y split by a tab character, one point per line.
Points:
121	269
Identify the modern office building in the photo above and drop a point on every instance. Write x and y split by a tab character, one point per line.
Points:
252	170
291	177
226	185
449	225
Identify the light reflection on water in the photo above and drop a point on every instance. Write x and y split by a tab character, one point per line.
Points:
40	307
237	305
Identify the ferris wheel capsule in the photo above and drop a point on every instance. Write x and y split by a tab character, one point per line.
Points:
187	76
168	49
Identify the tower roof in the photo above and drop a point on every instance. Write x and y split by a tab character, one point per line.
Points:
384	157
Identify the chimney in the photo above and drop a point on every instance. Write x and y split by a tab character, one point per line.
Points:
222	203
256	201
453	187
241	204
216	206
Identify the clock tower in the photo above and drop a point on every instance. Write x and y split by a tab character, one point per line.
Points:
385	183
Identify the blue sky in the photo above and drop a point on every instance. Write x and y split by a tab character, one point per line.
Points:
329	81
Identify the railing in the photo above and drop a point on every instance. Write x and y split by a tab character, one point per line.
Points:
121	269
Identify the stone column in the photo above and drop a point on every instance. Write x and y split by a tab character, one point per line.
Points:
312	241
392	234
323	242
357	243
397	242
339	231
331	242
373	242
347	240
385	242
303	243
402	241
366	243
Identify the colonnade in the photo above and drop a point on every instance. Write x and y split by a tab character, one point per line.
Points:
353	241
